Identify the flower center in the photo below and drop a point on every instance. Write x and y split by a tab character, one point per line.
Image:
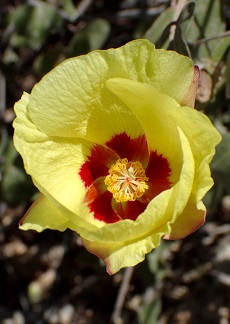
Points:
126	180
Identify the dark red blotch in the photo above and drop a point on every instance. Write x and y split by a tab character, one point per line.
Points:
157	169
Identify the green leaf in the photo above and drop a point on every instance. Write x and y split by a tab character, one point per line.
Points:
69	8
207	22
16	185
10	57
179	43
221	163
155	32
150	313
228	76
43	21
33	24
157	264
47	60
213	197
187	11
92	37
20	17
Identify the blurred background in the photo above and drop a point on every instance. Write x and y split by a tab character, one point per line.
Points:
49	277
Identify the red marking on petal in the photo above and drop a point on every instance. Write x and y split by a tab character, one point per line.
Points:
91	194
85	174
98	163
131	149
99	201
158	171
102	208
130	209
94	170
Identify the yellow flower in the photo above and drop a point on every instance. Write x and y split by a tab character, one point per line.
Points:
117	152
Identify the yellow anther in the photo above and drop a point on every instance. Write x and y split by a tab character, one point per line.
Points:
126	180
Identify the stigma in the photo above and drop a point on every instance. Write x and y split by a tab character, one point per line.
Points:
126	180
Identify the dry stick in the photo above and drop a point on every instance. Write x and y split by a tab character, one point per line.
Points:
178	9
82	7
133	13
204	40
3	128
2	94
122	293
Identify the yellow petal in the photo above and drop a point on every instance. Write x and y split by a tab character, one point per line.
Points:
72	107
203	138
54	165
124	255
163	115
156	113
72	100
159	114
188	221
43	215
125	243
175	76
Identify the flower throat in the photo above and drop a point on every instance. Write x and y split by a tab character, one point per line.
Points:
126	180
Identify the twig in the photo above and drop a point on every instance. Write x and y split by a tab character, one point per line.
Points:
178	9
122	293
82	7
204	40
2	94
135	12
3	129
